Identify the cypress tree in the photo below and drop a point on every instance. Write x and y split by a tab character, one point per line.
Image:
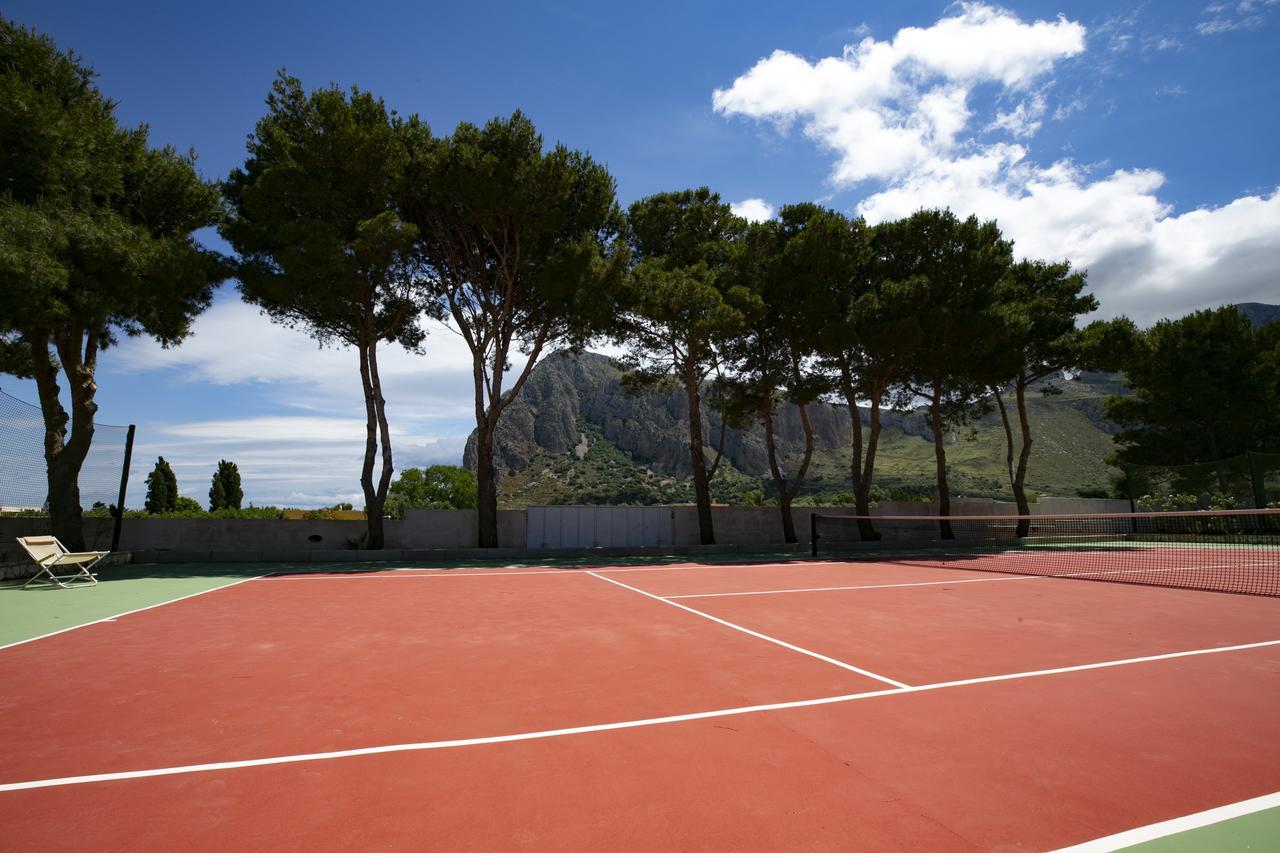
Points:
217	495
225	491
162	488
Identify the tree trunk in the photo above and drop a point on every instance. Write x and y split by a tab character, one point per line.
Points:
372	501
486	487
1008	434
1024	456
64	456
715	463
940	458
862	497
779	481
490	402
804	466
701	483
862	469
1224	485
384	433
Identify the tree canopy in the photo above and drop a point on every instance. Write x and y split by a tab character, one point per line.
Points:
680	305
950	268
96	239
322	246
1038	304
793	268
1204	388
521	247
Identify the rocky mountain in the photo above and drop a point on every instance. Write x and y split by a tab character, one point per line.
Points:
1259	314
575	435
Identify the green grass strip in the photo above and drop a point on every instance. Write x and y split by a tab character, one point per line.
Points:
27	613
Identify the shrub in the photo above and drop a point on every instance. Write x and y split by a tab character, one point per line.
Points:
185	505
437	487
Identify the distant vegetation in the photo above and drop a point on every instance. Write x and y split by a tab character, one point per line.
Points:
437	487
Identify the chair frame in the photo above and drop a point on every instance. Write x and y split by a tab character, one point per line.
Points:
49	554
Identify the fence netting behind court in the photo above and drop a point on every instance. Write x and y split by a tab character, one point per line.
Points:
24	486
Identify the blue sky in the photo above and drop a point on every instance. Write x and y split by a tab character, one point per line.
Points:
1136	140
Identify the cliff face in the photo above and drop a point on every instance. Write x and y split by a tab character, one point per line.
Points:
653	428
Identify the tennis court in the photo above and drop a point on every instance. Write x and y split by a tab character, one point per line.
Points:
876	703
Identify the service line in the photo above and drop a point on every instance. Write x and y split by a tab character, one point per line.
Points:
864	586
850	667
604	727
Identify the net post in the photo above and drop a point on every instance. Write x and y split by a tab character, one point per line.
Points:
1128	490
1258	478
124	485
813	534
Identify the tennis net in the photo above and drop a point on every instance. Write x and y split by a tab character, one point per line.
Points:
1222	551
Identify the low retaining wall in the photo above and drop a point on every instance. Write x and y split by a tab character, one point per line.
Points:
27	568
449	534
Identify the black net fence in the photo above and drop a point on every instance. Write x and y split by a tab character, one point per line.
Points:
24	487
1248	481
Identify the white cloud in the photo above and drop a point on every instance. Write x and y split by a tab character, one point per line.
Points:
283	460
1228	17
888	107
752	209
234	342
308	450
898	112
1024	120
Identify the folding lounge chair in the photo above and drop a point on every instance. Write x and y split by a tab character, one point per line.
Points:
49	554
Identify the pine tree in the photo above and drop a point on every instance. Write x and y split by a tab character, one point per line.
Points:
162	488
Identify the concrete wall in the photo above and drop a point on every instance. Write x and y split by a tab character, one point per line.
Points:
97	535
428	529
747	525
599	526
183	539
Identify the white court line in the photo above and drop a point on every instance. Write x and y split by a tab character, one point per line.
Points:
603	727
757	634
866	586
559	570
805	563
116	616
402	574
1140	834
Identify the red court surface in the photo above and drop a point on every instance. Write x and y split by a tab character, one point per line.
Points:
505	709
